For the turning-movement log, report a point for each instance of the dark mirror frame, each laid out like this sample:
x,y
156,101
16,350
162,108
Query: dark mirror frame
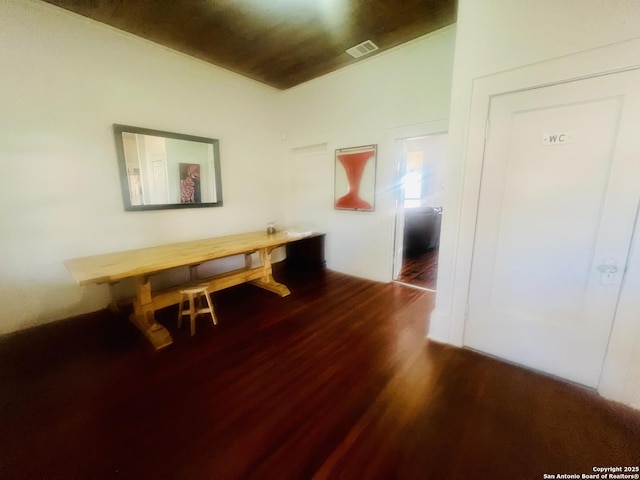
x,y
118,130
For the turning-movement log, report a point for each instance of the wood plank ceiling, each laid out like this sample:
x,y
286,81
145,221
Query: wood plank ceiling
x,y
281,43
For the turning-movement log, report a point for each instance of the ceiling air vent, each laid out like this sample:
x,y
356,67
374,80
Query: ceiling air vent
x,y
363,48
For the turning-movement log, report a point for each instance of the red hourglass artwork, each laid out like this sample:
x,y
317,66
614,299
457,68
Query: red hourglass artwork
x,y
354,161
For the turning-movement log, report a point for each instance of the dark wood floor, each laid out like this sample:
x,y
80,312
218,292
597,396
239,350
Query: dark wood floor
x,y
420,270
334,381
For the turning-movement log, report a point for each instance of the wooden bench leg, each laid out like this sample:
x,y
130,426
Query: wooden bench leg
x,y
143,317
113,305
267,282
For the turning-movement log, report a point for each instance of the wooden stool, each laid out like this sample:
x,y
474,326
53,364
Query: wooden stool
x,y
193,295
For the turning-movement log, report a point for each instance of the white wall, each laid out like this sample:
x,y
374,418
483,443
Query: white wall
x,y
522,44
391,95
64,80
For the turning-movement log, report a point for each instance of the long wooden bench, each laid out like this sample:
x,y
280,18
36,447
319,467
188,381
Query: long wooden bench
x,y
141,264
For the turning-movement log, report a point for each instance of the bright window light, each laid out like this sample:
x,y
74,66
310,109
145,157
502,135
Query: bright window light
x,y
413,179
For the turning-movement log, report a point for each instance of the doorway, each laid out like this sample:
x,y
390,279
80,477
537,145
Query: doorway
x,y
419,209
556,210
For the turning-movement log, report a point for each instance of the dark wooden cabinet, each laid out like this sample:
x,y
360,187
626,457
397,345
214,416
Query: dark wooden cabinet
x,y
306,253
421,230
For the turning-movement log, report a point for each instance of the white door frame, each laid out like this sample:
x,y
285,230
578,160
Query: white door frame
x,y
452,298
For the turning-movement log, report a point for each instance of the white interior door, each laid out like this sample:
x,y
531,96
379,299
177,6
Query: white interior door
x,y
311,183
401,166
556,210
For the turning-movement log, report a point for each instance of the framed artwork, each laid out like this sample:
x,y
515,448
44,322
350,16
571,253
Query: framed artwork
x,y
355,178
190,183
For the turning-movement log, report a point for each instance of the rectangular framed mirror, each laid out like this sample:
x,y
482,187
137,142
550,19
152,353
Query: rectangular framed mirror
x,y
160,170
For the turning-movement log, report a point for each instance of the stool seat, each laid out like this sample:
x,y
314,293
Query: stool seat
x,y
193,294
193,290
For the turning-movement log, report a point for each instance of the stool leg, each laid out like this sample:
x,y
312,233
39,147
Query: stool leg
x,y
213,315
180,306
192,314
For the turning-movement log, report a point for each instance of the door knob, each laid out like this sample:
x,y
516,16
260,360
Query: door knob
x,y
608,268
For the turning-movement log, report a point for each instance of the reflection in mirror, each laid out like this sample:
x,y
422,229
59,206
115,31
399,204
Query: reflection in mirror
x,y
167,170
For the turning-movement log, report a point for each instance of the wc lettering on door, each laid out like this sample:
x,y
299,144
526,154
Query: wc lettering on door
x,y
557,138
